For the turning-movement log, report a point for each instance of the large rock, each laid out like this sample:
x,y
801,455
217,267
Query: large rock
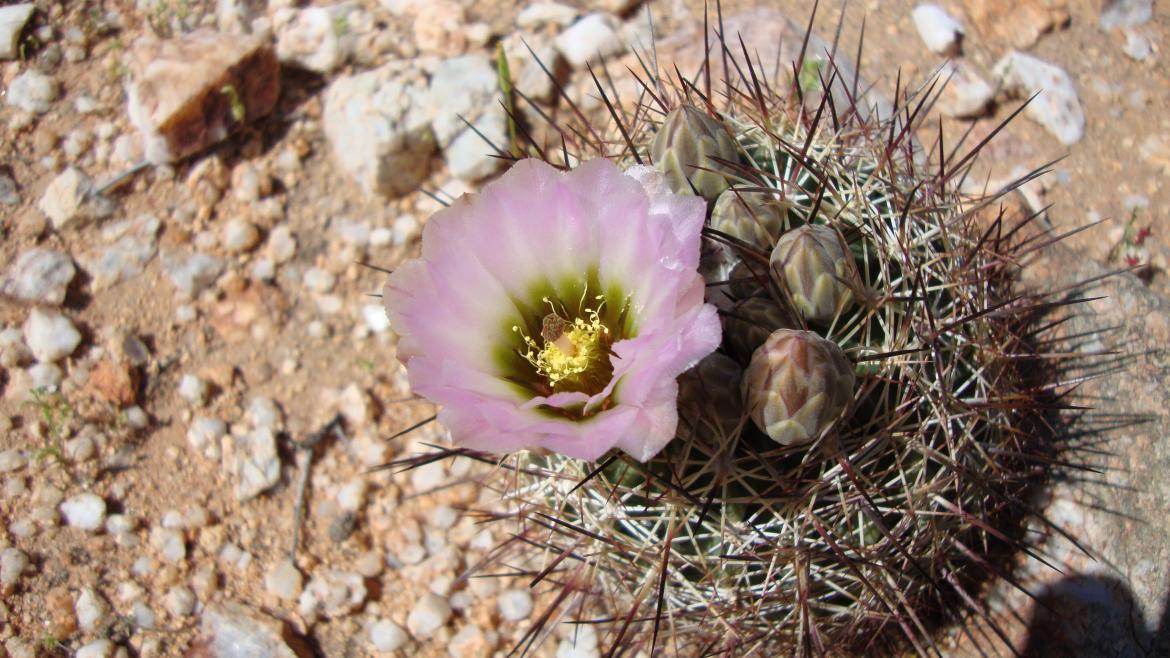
x,y
1056,106
12,20
231,630
1021,23
192,92
39,275
379,128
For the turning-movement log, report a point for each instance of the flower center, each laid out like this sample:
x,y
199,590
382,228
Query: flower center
x,y
571,355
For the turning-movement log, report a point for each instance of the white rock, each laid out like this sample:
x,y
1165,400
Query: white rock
x,y
39,275
13,563
124,259
378,126
13,352
141,615
11,460
194,390
406,229
235,631
33,91
282,246
257,464
120,524
430,613
592,37
86,511
204,435
967,95
376,318
470,157
311,39
79,449
465,87
546,13
239,235
1125,13
319,280
468,641
352,495
96,649
1056,106
515,604
191,272
91,609
169,543
64,197
284,580
45,376
12,20
50,335
1137,46
9,195
333,593
938,29
179,601
387,636
264,412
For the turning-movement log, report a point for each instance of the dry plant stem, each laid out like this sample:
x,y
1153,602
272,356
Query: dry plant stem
x,y
304,450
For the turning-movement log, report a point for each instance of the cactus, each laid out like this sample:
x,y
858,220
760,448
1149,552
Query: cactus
x,y
877,467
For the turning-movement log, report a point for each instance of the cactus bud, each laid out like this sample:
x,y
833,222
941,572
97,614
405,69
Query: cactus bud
x,y
754,217
749,323
708,395
814,265
797,385
685,147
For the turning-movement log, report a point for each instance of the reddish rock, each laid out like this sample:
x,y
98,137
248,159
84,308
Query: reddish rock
x,y
191,92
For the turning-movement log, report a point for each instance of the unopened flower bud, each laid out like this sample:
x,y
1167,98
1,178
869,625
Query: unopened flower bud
x,y
749,323
814,265
797,385
690,146
754,217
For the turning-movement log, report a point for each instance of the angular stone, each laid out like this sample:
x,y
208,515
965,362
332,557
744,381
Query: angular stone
x,y
379,128
590,39
39,275
1056,106
1019,22
257,464
33,91
967,94
231,630
191,92
12,20
1125,13
63,198
938,29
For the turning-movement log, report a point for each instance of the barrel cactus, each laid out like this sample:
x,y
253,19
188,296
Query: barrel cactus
x,y
851,461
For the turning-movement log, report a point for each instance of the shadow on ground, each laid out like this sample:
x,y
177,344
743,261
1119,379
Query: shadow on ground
x,y
1093,616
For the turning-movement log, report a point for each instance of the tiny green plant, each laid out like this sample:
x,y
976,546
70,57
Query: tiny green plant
x,y
239,111
54,410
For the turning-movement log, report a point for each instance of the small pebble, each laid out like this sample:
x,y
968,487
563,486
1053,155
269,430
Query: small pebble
x,y
13,563
96,649
240,235
50,336
430,613
284,580
194,390
515,604
91,610
169,543
85,511
387,636
180,601
11,460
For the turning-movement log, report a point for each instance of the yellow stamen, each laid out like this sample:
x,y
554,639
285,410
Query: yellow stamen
x,y
574,352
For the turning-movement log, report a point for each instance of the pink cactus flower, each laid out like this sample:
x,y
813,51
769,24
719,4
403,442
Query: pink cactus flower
x,y
556,309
